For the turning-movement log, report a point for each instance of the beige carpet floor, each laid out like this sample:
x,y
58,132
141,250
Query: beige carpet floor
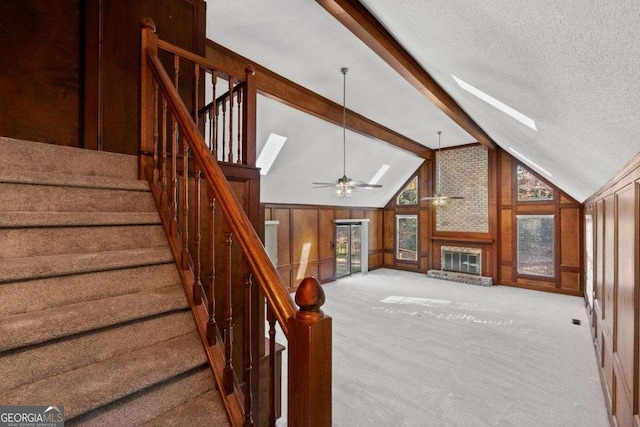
x,y
414,351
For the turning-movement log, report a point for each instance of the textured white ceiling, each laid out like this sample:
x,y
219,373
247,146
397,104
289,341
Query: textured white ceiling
x,y
313,153
572,66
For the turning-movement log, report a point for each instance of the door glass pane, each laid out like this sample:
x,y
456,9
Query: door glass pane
x,y
356,250
342,251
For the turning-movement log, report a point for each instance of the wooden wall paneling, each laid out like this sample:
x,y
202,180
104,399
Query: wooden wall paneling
x,y
389,237
326,251
599,257
375,238
284,244
609,264
423,240
181,22
506,180
623,409
305,244
342,214
570,228
625,297
40,80
356,213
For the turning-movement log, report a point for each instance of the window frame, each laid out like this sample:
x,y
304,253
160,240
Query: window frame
x,y
535,276
399,217
404,188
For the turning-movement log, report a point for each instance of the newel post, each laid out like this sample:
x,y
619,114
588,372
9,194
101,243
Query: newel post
x,y
309,402
250,97
148,42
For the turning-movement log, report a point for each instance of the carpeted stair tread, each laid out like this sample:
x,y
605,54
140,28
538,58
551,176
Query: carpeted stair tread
x,y
92,386
39,241
204,410
21,176
58,265
21,197
24,366
62,219
35,327
40,294
144,406
37,156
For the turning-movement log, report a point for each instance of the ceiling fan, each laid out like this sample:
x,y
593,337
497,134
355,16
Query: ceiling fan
x,y
345,186
440,199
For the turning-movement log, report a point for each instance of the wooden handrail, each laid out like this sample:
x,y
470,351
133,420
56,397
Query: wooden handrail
x,y
261,266
307,328
218,100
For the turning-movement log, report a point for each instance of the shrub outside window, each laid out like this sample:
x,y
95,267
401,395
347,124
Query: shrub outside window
x,y
407,237
535,253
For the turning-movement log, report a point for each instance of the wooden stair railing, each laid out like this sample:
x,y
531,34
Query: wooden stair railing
x,y
175,159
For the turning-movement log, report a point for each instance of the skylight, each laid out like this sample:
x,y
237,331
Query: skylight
x,y
269,152
528,161
383,169
527,121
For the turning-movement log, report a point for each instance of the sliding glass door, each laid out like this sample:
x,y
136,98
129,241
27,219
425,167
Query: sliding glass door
x,y
348,249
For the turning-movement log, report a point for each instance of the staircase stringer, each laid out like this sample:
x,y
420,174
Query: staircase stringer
x,y
215,353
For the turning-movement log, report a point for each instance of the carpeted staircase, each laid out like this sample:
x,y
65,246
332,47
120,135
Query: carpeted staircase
x,y
92,312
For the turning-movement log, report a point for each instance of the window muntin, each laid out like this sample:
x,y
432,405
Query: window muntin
x,y
409,194
407,237
535,245
530,188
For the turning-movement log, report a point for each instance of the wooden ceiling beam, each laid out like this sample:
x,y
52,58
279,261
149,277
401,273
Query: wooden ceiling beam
x,y
296,96
353,15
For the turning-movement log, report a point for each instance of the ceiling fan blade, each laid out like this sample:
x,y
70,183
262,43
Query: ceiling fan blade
x,y
324,186
368,185
324,183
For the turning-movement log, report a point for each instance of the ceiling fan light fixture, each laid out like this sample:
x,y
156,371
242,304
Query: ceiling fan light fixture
x,y
346,187
440,199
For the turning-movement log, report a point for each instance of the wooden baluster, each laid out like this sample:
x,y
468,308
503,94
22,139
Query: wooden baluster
x,y
163,197
174,176
176,72
228,327
156,124
214,116
197,283
224,128
230,155
211,301
184,200
271,318
196,100
174,152
248,416
309,402
239,120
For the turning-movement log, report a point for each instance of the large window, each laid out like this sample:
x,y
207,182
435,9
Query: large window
x,y
407,237
409,195
530,188
535,245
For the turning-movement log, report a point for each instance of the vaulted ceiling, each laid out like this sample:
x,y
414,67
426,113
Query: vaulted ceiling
x,y
571,66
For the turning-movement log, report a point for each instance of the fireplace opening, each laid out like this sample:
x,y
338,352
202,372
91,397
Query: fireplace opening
x,y
462,262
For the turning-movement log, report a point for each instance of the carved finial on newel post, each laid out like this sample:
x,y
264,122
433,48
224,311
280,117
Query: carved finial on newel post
x,y
310,297
148,23
309,359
